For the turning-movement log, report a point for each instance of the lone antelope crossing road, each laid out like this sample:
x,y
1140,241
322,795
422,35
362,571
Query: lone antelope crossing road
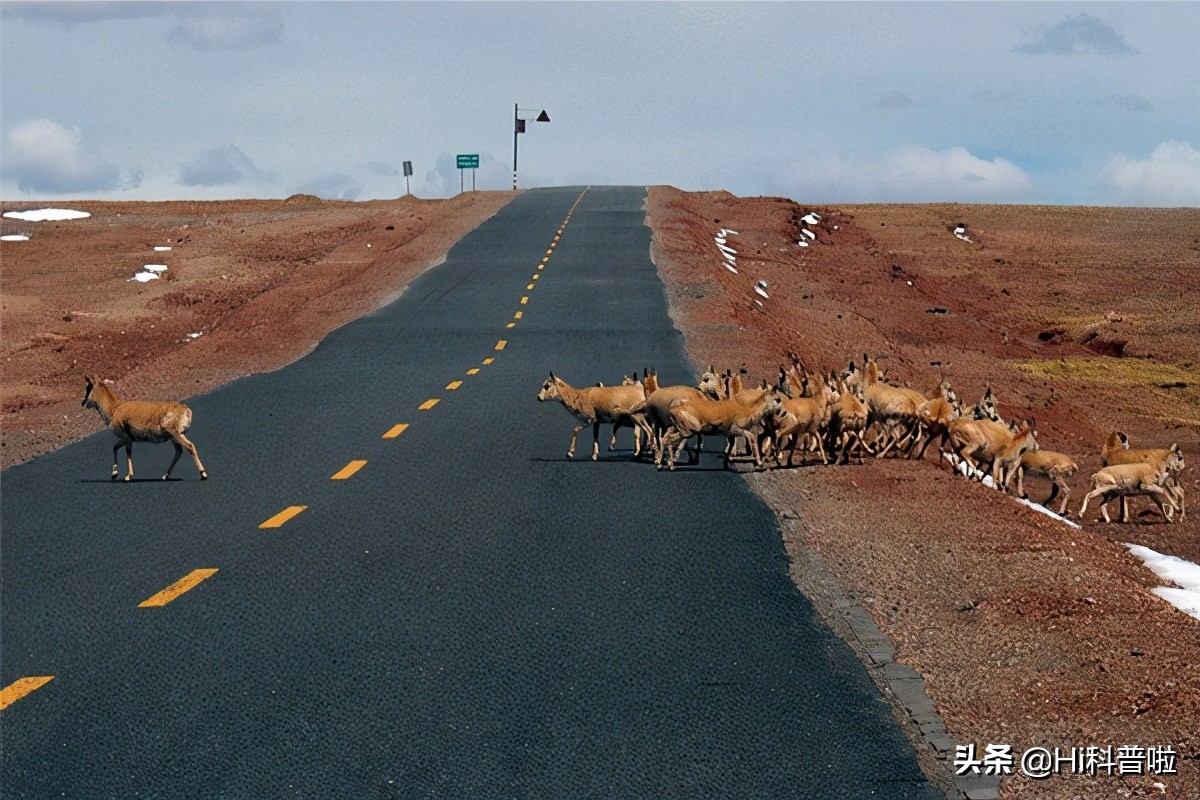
x,y
394,584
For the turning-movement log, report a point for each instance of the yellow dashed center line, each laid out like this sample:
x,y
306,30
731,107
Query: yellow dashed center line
x,y
525,300
536,276
529,288
550,252
430,403
396,430
518,315
499,346
473,371
452,385
511,325
282,517
348,470
184,584
21,687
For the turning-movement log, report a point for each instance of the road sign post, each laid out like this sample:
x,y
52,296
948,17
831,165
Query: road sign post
x,y
408,171
467,161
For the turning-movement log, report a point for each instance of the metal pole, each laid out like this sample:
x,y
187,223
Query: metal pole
x,y
514,147
460,181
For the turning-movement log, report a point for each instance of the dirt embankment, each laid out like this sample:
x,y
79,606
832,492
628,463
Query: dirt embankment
x,y
251,285
1027,632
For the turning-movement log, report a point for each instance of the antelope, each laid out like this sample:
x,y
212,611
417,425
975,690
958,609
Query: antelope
x,y
889,404
593,405
983,440
699,415
800,418
141,421
935,415
1116,451
1126,480
1055,466
848,422
628,422
655,410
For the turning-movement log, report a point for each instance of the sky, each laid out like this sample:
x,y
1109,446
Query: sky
x,y
823,102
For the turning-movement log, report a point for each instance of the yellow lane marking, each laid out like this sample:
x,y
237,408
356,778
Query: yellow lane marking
x,y
499,346
536,276
396,430
430,403
452,385
282,517
550,251
473,371
541,266
525,300
529,288
511,325
349,469
518,315
21,687
184,584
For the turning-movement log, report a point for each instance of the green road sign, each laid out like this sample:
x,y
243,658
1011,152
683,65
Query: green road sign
x,y
468,161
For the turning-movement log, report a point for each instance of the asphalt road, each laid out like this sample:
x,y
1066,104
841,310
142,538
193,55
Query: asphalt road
x,y
469,614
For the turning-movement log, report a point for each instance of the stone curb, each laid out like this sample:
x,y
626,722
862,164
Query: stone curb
x,y
908,689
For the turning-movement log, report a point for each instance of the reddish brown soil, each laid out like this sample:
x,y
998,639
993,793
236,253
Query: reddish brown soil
x,y
1026,631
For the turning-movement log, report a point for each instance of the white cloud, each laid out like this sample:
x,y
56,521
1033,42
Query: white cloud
x,y
953,174
227,33
220,165
43,156
908,174
1169,177
1076,36
338,186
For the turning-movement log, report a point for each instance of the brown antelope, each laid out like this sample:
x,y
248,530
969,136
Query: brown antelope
x,y
699,416
890,406
141,421
1127,480
978,441
848,422
629,422
1054,466
1116,451
593,405
803,419
655,410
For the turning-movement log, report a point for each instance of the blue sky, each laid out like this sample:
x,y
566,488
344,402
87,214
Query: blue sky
x,y
823,102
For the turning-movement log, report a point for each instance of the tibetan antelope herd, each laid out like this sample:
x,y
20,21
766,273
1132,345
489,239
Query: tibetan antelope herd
x,y
839,417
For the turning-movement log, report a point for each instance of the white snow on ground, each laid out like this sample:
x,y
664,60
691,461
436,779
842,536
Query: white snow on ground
x,y
1184,574
46,215
144,277
14,237
1185,595
161,249
155,268
812,218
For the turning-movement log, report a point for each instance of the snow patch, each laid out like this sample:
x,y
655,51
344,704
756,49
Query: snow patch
x,y
47,215
1184,574
161,249
144,277
14,237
